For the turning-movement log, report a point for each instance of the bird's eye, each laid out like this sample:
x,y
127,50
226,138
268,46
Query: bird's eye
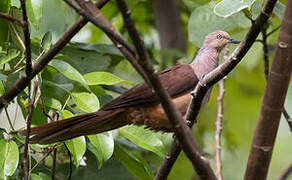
x,y
219,36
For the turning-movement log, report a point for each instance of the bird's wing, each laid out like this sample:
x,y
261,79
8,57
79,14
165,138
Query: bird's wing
x,y
177,80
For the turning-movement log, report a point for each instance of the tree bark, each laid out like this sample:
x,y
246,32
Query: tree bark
x,y
169,25
272,105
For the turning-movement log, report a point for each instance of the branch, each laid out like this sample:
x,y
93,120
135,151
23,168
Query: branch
x,y
26,33
28,123
286,173
23,82
217,74
28,73
266,61
272,104
11,19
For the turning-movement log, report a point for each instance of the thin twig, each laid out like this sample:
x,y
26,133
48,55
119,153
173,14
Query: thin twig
x,y
9,119
273,31
11,19
28,122
70,163
54,164
23,82
182,132
26,33
217,74
28,73
17,36
46,155
219,122
286,173
41,100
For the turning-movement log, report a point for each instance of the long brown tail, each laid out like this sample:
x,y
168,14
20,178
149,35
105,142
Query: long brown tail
x,y
86,124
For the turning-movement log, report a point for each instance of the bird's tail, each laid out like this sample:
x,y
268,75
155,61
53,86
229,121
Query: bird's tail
x,y
86,124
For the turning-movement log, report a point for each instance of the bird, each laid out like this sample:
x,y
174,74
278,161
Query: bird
x,y
139,105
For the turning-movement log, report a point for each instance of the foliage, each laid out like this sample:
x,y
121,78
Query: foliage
x,y
89,72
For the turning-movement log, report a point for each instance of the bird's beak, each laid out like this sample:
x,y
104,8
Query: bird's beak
x,y
233,41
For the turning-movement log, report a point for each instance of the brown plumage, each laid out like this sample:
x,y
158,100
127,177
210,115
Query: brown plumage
x,y
139,105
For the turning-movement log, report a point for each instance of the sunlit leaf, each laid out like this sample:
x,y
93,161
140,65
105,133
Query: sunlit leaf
x,y
88,102
144,138
226,8
103,146
35,177
52,103
105,78
9,157
77,147
68,71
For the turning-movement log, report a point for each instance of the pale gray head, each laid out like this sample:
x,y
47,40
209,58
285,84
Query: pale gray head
x,y
218,40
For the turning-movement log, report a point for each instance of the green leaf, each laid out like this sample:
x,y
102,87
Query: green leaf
x,y
38,117
47,41
104,146
87,102
34,11
66,114
85,61
203,21
144,138
9,157
279,10
226,8
105,78
4,8
2,90
52,103
66,87
134,163
35,177
5,58
77,147
68,71
101,48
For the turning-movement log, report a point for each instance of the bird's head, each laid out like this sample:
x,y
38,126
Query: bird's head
x,y
218,40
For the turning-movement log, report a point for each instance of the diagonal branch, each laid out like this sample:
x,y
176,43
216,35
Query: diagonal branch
x,y
217,74
181,129
23,82
12,19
